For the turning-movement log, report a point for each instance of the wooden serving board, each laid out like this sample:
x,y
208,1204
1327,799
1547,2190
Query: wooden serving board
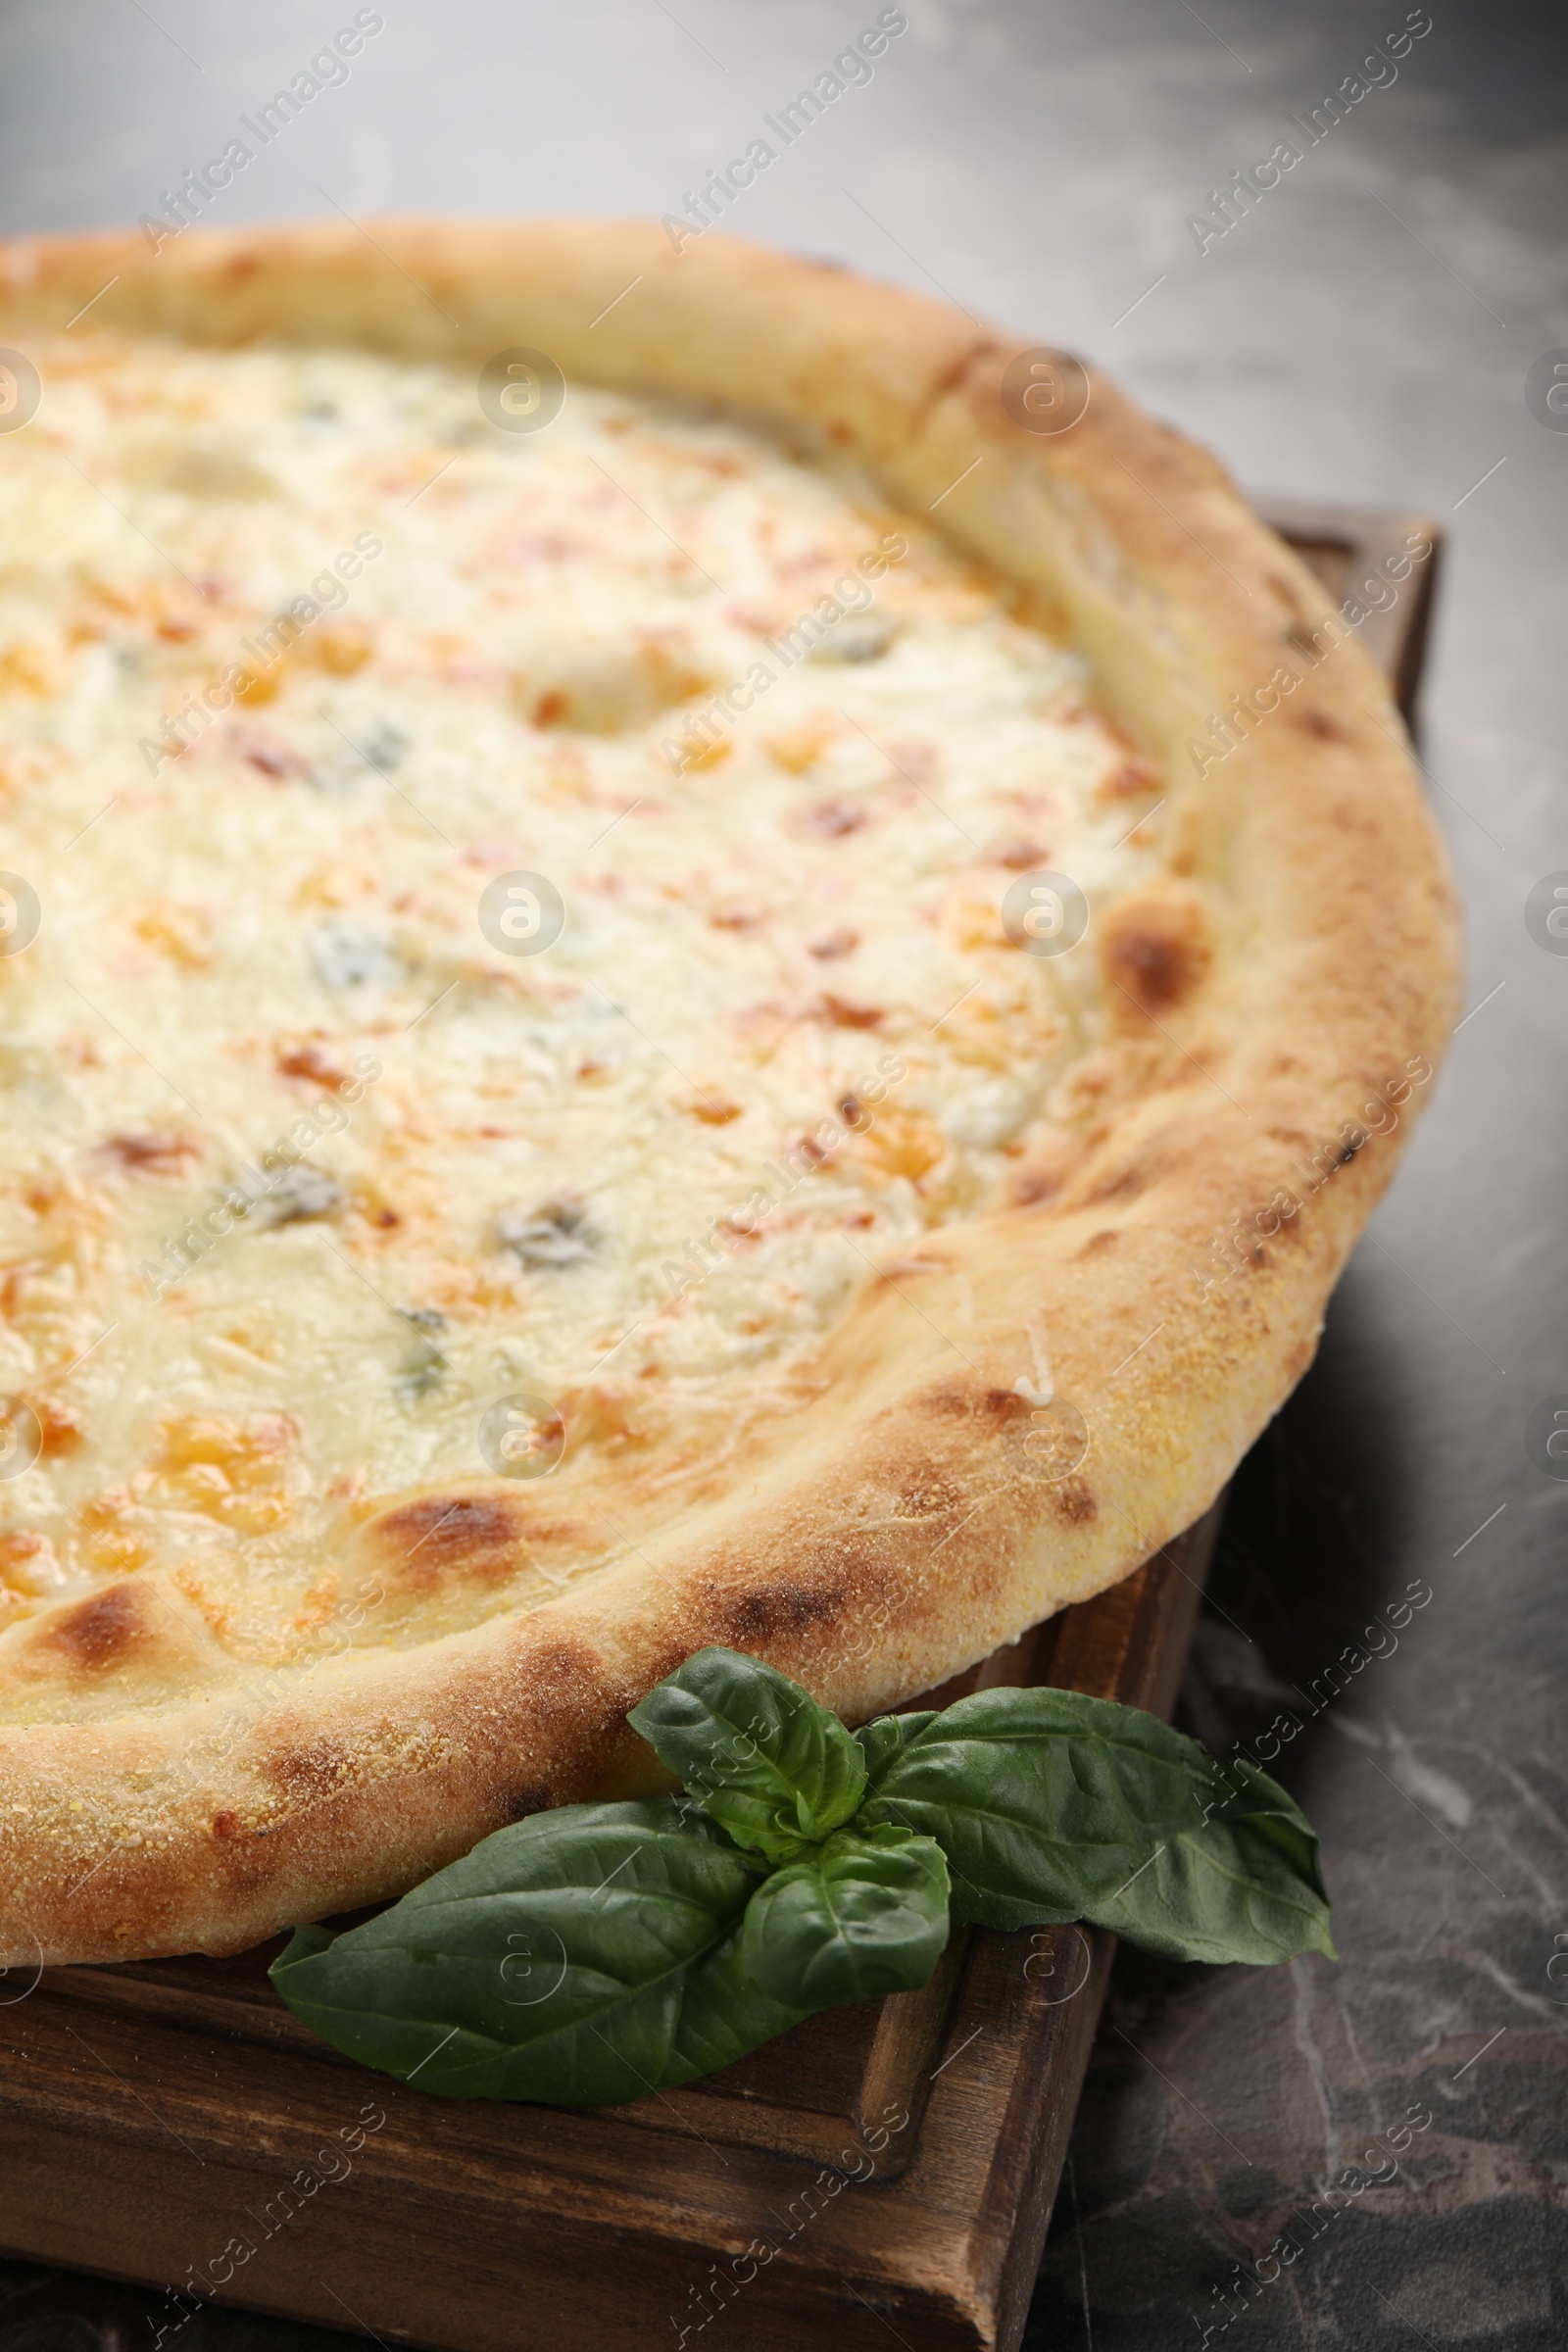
x,y
886,2171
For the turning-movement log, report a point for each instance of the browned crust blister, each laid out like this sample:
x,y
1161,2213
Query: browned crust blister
x,y
1275,1001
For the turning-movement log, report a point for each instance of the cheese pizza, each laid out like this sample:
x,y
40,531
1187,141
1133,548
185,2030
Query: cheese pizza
x,y
687,954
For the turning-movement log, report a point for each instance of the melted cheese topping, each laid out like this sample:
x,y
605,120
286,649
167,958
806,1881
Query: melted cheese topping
x,y
300,657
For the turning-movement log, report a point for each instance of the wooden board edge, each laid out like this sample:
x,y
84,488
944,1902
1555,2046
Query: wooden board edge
x,y
1372,539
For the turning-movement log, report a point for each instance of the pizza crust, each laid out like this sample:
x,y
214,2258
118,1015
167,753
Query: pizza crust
x,y
1282,996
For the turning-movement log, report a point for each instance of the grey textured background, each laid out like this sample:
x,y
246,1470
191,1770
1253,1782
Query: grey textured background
x,y
1364,333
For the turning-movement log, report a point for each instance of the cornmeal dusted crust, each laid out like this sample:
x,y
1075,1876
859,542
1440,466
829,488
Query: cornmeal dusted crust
x,y
1276,991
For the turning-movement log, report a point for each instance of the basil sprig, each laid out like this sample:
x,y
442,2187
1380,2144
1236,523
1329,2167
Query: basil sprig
x,y
595,1953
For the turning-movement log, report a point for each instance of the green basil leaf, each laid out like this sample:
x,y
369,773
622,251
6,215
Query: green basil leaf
x,y
1044,1801
1224,1891
724,2011
1273,1816
1053,1807
859,1914
758,1751
581,1957
1244,1883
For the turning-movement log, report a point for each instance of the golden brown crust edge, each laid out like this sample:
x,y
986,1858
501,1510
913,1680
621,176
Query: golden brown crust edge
x,y
1278,998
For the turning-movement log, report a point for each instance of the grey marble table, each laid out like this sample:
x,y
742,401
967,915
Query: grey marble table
x,y
1365,330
